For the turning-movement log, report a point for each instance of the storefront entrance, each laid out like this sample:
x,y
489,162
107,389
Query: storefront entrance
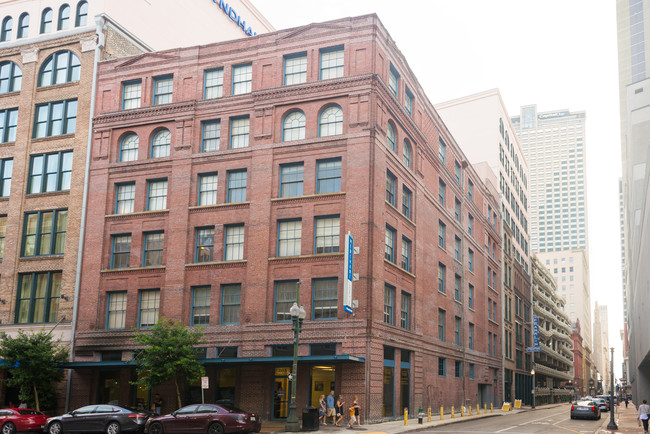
x,y
281,393
323,379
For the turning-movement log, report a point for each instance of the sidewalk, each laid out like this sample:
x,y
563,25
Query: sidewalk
x,y
625,418
397,426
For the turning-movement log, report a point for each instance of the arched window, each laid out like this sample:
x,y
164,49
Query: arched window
x,y
293,127
129,147
331,121
82,14
64,17
46,20
391,137
60,67
10,77
7,24
23,26
160,144
406,153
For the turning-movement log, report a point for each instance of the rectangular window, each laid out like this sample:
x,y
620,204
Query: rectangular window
x,y
289,237
331,62
489,308
470,259
490,343
405,311
441,277
131,94
242,77
55,118
457,330
457,171
234,250
406,202
230,303
457,284
285,296
157,195
204,245
120,251
38,297
328,176
442,150
213,83
44,232
327,234
125,198
457,209
291,179
406,254
116,310
471,336
442,366
50,172
389,244
6,169
153,249
457,248
408,101
442,229
162,89
458,368
208,189
149,307
470,301
236,186
3,234
472,371
389,302
391,181
239,130
441,324
201,305
470,224
210,135
393,80
8,125
442,188
295,68
325,298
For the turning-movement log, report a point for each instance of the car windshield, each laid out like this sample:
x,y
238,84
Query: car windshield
x,y
586,403
231,408
29,412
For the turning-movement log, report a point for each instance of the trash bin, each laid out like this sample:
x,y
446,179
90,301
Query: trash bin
x,y
310,420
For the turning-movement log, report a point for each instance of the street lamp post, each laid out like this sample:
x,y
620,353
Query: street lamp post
x,y
611,425
532,372
297,317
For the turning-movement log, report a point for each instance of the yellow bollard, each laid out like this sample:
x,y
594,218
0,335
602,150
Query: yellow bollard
x,y
470,410
491,408
452,411
478,409
462,411
484,408
406,417
429,414
441,411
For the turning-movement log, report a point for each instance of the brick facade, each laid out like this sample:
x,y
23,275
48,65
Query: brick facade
x,y
372,341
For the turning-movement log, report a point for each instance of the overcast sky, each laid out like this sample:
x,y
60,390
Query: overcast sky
x,y
558,54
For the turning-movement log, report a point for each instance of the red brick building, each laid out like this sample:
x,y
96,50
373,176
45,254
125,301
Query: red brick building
x,y
224,175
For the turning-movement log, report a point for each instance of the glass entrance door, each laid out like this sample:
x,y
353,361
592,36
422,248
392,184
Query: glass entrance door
x,y
281,393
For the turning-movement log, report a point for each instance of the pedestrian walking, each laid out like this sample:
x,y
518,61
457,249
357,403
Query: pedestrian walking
x,y
626,401
322,410
354,413
644,411
331,411
340,404
157,403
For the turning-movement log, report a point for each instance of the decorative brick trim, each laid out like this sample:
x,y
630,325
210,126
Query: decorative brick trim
x,y
143,214
207,208
217,264
134,270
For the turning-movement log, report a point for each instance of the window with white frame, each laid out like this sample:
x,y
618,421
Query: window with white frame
x,y
129,147
116,310
160,144
210,135
295,68
204,245
327,234
393,80
291,179
239,130
131,94
208,189
293,127
201,305
157,195
331,63
242,77
325,298
289,237
230,303
153,249
149,307
125,198
331,121
391,137
162,89
234,248
236,191
213,83
328,175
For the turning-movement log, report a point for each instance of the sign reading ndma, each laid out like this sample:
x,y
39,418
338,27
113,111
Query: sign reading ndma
x,y
232,14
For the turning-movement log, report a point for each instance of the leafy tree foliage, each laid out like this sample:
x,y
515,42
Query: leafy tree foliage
x,y
32,360
169,353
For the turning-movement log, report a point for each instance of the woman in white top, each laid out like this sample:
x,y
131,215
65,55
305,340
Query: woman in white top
x,y
644,411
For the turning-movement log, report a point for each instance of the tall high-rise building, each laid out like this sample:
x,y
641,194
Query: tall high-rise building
x,y
601,344
634,89
554,145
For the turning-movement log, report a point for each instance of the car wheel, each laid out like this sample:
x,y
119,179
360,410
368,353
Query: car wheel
x,y
113,428
9,428
55,428
215,428
572,417
156,428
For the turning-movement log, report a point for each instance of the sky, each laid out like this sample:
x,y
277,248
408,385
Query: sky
x,y
558,54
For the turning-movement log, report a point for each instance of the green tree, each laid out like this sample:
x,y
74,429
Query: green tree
x,y
32,360
169,353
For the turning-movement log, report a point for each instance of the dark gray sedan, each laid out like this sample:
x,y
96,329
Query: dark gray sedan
x,y
585,410
103,418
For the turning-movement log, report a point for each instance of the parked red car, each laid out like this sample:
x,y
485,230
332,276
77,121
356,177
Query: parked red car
x,y
13,420
205,418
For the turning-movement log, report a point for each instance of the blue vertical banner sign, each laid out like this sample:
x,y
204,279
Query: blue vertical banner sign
x,y
347,273
535,331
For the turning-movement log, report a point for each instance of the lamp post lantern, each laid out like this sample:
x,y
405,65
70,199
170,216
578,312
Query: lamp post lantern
x,y
297,317
611,425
